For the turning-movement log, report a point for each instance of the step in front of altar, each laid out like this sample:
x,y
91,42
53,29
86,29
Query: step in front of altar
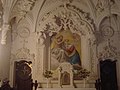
x,y
66,89
77,85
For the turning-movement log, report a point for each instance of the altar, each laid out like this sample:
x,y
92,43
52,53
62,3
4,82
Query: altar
x,y
66,89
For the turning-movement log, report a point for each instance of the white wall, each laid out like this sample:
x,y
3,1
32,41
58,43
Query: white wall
x,y
38,12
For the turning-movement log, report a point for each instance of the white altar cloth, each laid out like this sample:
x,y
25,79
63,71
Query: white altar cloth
x,y
66,89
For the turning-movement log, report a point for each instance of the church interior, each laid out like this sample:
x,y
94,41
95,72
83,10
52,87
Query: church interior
x,y
60,44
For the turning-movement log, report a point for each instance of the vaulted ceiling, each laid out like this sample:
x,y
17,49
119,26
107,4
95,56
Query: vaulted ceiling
x,y
18,10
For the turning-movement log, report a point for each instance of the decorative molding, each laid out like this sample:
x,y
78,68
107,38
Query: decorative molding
x,y
23,53
93,53
109,51
91,56
66,1
23,32
49,2
14,33
83,16
66,17
41,38
5,28
103,4
21,8
107,31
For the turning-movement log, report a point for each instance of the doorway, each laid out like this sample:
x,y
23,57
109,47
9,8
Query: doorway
x,y
23,76
108,75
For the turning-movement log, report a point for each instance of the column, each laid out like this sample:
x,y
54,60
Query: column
x,y
5,29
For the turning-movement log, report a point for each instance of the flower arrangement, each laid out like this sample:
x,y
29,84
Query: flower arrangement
x,y
82,73
47,74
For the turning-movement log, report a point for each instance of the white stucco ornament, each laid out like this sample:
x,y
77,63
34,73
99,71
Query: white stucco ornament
x,y
5,29
24,32
41,37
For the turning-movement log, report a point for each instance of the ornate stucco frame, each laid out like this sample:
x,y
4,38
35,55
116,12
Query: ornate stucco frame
x,y
85,30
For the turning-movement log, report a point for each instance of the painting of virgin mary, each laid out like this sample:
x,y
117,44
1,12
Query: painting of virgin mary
x,y
65,47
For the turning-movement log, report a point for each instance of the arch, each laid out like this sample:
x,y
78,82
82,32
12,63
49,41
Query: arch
x,y
81,15
52,23
39,12
105,14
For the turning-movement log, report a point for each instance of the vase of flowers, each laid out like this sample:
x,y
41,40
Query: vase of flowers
x,y
48,75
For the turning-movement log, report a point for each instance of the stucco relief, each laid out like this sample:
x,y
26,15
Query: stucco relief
x,y
50,2
62,19
21,8
66,16
109,51
23,32
108,32
5,28
92,46
41,55
23,53
103,4
41,38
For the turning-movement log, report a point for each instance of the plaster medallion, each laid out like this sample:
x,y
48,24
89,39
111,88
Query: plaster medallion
x,y
107,31
24,33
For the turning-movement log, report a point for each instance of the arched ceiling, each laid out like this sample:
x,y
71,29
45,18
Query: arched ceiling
x,y
19,8
31,9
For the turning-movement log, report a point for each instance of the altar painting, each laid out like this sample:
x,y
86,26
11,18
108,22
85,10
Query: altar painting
x,y
65,47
